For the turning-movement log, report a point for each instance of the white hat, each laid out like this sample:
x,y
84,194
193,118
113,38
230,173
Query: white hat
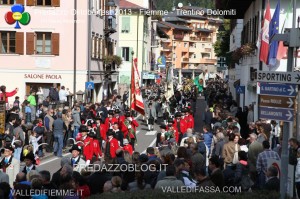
x,y
125,141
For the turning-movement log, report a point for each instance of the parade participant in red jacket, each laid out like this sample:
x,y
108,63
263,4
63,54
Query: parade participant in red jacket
x,y
96,147
87,144
129,128
127,146
90,123
180,126
110,120
189,118
5,95
120,118
112,145
100,130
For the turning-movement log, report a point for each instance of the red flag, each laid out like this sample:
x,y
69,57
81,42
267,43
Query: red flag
x,y
136,96
264,47
282,51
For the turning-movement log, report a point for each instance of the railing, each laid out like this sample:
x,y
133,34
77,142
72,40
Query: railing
x,y
178,36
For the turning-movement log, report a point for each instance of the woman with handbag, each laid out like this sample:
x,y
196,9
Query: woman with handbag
x,y
230,151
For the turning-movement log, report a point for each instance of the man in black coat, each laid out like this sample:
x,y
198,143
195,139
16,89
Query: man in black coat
x,y
273,183
97,180
56,176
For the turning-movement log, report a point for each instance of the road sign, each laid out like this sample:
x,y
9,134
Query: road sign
x,y
89,85
264,88
279,77
276,101
240,89
280,114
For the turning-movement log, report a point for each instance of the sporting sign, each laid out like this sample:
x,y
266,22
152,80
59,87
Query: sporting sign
x,y
264,88
276,114
279,77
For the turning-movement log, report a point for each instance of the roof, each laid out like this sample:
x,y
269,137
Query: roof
x,y
160,25
167,18
204,30
127,5
179,27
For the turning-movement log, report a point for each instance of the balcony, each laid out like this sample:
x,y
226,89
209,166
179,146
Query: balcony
x,y
110,25
194,39
207,50
206,39
178,36
208,61
185,59
166,40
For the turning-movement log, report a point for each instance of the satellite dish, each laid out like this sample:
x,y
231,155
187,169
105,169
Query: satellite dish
x,y
180,5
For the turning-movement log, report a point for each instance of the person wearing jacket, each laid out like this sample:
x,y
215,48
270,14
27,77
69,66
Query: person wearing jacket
x,y
208,138
297,173
180,126
229,150
76,121
242,172
58,132
275,134
151,115
112,145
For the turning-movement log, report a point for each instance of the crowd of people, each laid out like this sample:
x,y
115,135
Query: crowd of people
x,y
229,150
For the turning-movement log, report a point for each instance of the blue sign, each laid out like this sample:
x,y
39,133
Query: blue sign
x,y
264,88
89,85
240,89
276,114
161,61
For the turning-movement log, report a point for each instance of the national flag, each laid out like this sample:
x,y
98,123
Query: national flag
x,y
264,46
282,50
274,29
136,96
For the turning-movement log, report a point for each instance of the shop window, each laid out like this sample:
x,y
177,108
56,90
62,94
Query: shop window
x,y
7,42
7,2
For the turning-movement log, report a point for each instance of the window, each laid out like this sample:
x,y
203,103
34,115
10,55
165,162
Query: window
x,y
43,2
194,56
125,25
43,43
100,48
203,45
185,45
7,42
125,53
7,2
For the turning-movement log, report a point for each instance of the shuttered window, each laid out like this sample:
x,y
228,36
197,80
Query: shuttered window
x,y
20,2
53,3
42,43
125,25
7,2
7,42
20,43
100,48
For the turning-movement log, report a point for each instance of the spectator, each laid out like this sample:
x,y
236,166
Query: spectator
x,y
47,185
76,120
58,132
208,138
230,149
116,182
197,159
216,175
22,191
63,93
220,143
5,188
48,122
203,180
242,177
107,187
273,183
275,134
17,102
37,186
32,103
97,180
81,185
56,176
3,177
184,173
294,146
21,179
262,161
169,181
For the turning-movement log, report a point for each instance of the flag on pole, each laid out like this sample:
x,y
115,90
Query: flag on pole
x,y
264,46
136,96
169,83
274,29
282,50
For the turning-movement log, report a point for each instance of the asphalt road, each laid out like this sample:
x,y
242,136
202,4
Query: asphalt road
x,y
145,138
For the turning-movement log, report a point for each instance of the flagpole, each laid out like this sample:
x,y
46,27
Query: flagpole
x,y
132,71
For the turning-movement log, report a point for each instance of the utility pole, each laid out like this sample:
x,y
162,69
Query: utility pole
x,y
292,38
89,46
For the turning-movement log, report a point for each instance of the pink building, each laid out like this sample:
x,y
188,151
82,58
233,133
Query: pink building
x,y
52,49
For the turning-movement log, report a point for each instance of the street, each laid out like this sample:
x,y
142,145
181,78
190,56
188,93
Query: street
x,y
145,138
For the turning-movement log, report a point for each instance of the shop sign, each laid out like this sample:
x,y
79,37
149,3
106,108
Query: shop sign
x,y
41,76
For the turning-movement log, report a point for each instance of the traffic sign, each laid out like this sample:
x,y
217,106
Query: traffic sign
x,y
280,114
279,77
276,101
264,88
240,89
89,85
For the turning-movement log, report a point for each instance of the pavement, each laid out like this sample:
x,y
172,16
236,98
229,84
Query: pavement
x,y
145,138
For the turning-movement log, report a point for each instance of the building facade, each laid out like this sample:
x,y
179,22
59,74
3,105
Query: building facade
x,y
52,48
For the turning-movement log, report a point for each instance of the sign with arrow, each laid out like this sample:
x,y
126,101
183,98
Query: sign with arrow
x,y
276,101
276,114
279,77
264,88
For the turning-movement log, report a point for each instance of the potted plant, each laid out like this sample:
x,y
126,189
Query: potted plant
x,y
112,59
248,49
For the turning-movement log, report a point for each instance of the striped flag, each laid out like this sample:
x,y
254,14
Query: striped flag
x,y
264,47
